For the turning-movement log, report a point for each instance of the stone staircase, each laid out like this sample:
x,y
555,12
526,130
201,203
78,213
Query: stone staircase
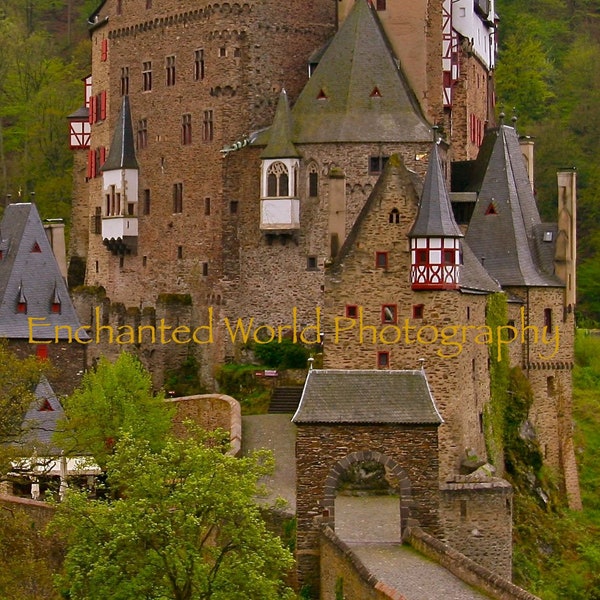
x,y
285,400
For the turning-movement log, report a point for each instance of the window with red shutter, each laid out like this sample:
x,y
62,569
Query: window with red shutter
x,y
104,50
103,105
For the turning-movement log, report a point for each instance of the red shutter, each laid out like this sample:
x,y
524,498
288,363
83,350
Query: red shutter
x,y
90,164
104,50
102,155
103,105
92,109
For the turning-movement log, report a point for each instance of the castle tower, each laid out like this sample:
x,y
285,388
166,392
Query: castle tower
x,y
279,203
435,237
120,187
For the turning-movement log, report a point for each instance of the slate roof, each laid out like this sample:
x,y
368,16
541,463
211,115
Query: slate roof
x,y
122,149
472,276
280,137
40,421
358,92
367,396
504,241
435,216
30,272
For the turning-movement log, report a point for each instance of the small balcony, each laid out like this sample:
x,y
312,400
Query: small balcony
x,y
279,214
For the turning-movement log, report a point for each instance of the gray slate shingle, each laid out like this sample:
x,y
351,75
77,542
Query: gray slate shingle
x,y
367,396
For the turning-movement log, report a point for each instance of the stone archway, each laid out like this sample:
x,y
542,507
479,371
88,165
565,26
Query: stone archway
x,y
401,485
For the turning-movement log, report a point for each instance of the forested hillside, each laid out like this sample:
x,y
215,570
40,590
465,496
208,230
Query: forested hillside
x,y
549,73
43,56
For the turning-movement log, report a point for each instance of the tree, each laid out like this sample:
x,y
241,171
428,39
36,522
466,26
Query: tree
x,y
111,399
18,378
185,527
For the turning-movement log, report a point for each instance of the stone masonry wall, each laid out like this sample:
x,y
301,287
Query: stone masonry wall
x,y
477,521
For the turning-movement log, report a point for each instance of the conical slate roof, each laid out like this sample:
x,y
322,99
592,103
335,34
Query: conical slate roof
x,y
122,150
280,138
29,273
506,220
435,217
358,92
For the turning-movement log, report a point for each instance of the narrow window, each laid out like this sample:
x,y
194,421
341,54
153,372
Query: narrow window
x,y
377,164
186,129
124,81
417,311
550,386
389,313
170,70
146,76
233,207
144,261
148,4
548,319
142,134
205,269
313,181
207,126
179,251
237,52
383,360
277,180
351,311
199,65
380,5
394,216
448,257
119,7
311,263
178,197
381,260
146,206
97,223
222,52
207,207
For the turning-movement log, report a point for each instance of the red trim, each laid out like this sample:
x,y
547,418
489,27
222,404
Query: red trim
x,y
384,317
104,50
103,105
351,311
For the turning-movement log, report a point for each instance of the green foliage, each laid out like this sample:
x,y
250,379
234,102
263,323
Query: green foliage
x,y
556,552
186,526
112,399
240,382
29,558
493,417
282,355
18,378
184,380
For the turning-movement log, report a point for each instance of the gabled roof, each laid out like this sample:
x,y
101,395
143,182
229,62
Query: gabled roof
x,y
367,396
40,421
503,227
435,216
29,271
358,92
122,149
280,138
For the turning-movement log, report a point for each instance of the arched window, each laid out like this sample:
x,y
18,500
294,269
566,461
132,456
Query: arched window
x,y
278,181
313,181
394,216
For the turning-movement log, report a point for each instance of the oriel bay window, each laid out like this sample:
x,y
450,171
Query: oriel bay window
x,y
278,181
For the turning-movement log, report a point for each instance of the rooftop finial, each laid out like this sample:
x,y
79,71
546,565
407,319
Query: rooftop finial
x,y
435,129
502,115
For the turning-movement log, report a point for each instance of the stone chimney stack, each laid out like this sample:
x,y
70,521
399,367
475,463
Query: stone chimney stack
x,y
55,232
565,258
527,145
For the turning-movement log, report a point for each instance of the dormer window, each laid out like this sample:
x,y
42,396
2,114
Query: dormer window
x,y
45,406
22,307
36,247
278,181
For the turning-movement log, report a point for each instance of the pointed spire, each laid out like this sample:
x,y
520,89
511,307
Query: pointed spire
x,y
435,217
122,149
280,136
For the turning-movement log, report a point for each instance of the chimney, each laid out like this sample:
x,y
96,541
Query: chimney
x,y
526,142
55,232
565,257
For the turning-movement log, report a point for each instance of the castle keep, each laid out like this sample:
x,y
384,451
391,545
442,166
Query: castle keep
x,y
333,168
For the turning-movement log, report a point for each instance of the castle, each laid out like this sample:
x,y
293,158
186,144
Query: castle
x,y
329,170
